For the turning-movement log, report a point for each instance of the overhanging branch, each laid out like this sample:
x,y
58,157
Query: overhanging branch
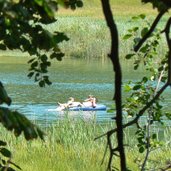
x,y
168,83
141,112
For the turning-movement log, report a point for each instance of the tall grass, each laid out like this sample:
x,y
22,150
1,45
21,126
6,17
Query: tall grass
x,y
87,30
69,145
90,37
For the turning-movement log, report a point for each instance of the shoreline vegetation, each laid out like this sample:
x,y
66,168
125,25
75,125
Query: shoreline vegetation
x,y
69,145
87,30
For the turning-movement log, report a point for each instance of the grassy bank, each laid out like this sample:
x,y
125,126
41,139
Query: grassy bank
x,y
87,30
70,145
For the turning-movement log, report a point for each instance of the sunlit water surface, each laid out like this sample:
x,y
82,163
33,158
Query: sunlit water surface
x,y
71,77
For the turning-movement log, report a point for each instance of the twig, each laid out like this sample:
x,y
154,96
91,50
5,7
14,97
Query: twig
x,y
111,153
149,121
160,77
104,153
167,31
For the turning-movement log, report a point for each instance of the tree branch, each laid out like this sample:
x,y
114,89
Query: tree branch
x,y
150,112
137,47
141,112
167,31
111,153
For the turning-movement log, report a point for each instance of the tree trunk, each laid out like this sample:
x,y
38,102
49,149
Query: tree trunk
x,y
114,56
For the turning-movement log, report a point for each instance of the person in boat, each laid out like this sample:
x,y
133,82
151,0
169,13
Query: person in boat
x,y
89,102
70,103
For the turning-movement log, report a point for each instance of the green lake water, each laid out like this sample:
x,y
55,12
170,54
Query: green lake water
x,y
70,77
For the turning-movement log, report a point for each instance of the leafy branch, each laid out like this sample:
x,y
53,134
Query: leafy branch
x,y
18,124
147,51
23,27
147,35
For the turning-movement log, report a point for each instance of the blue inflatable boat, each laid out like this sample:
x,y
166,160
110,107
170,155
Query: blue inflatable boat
x,y
98,107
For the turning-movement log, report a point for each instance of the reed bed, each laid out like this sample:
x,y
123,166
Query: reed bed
x,y
89,34
87,30
90,37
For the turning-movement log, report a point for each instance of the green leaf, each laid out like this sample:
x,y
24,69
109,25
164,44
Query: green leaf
x,y
44,58
127,36
168,115
5,152
135,29
142,16
18,167
34,64
31,60
46,79
141,149
42,83
161,68
127,88
14,121
30,74
39,2
48,10
140,140
73,6
129,56
145,79
2,47
59,37
9,169
43,67
58,56
154,136
136,67
79,4
144,31
135,18
48,63
160,5
3,143
137,87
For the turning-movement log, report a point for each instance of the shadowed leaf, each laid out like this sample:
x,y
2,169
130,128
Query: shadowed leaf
x,y
17,122
3,143
5,152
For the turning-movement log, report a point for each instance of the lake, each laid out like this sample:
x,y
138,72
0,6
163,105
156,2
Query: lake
x,y
71,78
